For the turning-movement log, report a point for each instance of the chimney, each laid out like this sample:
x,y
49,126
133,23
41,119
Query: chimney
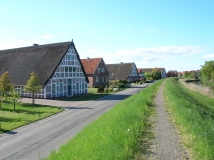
x,y
88,58
35,44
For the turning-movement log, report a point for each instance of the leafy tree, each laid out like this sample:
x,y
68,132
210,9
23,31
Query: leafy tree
x,y
147,75
186,74
207,73
33,86
156,74
5,83
14,98
5,86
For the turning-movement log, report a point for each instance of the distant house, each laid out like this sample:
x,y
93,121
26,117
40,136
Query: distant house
x,y
58,66
96,71
172,73
123,71
141,74
149,70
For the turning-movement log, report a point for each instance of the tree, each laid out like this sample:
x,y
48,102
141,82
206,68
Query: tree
x,y
5,83
156,74
207,73
5,86
186,74
14,98
147,75
33,85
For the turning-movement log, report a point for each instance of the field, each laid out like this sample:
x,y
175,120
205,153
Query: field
x,y
118,134
193,114
24,114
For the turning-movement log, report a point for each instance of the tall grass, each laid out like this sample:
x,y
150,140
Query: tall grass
x,y
194,115
115,135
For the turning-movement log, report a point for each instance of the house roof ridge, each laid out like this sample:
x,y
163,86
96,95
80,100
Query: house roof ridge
x,y
37,46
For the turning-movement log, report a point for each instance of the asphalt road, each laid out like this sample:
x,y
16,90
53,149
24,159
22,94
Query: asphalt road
x,y
37,140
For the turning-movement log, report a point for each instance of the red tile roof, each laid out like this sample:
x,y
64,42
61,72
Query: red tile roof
x,y
90,64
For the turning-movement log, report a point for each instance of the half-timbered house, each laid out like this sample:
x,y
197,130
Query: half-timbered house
x,y
57,65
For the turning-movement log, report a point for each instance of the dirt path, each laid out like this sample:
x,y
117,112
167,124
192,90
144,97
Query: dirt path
x,y
167,144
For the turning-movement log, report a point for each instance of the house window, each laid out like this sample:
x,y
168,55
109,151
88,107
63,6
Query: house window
x,y
103,69
106,79
66,69
98,70
70,69
69,81
74,69
69,57
97,78
53,88
61,87
102,79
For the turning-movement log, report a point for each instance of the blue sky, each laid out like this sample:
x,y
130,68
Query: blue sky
x,y
175,34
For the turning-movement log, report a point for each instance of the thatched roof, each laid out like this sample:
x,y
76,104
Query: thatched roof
x,y
41,59
120,70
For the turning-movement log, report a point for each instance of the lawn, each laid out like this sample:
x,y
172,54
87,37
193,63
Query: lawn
x,y
118,134
24,114
193,113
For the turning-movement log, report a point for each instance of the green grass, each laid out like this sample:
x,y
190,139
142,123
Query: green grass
x,y
118,134
193,113
24,114
91,95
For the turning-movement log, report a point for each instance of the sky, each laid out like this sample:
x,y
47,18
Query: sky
x,y
174,34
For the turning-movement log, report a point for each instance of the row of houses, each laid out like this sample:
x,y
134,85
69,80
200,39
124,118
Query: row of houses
x,y
61,71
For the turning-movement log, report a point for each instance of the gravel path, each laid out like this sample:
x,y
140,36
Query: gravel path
x,y
166,145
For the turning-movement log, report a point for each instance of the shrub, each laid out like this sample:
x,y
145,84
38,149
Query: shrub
x,y
100,89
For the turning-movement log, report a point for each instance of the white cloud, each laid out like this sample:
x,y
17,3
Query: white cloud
x,y
152,56
208,56
152,30
49,36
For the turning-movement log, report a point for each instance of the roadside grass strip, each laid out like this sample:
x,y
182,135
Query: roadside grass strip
x,y
24,114
117,134
193,113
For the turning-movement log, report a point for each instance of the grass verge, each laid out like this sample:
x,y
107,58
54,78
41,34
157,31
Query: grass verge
x,y
117,134
24,114
193,113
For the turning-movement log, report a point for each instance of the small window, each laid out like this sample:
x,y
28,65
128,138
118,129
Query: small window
x,y
66,69
106,79
98,70
97,78
74,69
102,79
53,88
69,81
103,69
70,69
